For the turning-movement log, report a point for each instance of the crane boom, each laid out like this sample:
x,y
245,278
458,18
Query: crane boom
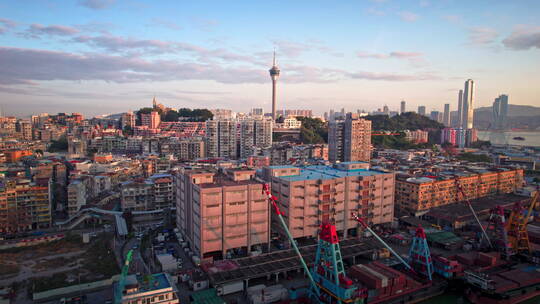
x,y
272,199
460,190
363,223
122,281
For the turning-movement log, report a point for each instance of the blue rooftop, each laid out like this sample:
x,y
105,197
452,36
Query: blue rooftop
x,y
327,172
282,167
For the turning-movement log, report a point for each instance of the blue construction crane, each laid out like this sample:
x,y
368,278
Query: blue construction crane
x,y
122,281
419,255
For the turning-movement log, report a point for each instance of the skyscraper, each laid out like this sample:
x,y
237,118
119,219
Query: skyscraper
x,y
446,115
468,104
422,110
500,112
402,109
460,109
274,74
349,139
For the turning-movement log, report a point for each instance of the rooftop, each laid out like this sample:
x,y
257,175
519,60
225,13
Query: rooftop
x,y
148,283
327,172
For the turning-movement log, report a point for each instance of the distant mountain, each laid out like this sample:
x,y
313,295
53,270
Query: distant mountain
x,y
519,117
515,110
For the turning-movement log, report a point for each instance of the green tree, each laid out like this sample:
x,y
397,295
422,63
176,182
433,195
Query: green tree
x,y
313,130
59,145
171,115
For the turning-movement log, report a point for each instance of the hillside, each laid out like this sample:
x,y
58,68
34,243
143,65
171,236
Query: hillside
x,y
519,117
405,121
514,110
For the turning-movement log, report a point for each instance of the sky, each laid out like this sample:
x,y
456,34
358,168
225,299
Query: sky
x,y
109,56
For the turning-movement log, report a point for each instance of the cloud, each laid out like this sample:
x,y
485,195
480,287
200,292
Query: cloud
x,y
408,16
203,24
133,46
6,24
391,77
36,30
482,35
97,4
41,65
523,38
397,54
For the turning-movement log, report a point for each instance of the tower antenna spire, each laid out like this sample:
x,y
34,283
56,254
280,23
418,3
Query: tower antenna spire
x,y
274,61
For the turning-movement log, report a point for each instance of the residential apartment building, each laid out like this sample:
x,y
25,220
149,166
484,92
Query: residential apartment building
x,y
312,195
254,134
349,139
151,120
184,149
416,195
163,191
417,136
24,206
76,191
222,212
137,195
128,120
220,139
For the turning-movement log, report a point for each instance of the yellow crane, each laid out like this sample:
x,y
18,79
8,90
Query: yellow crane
x,y
518,238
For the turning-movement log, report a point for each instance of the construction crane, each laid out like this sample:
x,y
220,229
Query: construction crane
x,y
122,281
464,196
273,201
497,224
419,254
518,237
329,283
356,217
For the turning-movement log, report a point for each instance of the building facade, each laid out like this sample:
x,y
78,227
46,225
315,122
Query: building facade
x,y
222,212
349,139
24,206
500,112
76,191
468,104
312,195
254,134
416,195
220,139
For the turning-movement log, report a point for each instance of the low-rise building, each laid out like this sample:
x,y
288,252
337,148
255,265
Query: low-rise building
x,y
76,196
416,195
137,195
156,288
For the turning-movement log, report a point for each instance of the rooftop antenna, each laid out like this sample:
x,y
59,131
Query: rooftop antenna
x,y
274,60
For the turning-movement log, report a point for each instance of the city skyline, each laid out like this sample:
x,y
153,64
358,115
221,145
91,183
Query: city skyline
x,y
78,56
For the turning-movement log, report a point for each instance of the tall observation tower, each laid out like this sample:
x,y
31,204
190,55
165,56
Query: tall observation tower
x,y
274,74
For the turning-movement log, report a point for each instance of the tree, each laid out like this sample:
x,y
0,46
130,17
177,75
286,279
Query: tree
x,y
59,145
313,130
404,121
171,115
128,130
